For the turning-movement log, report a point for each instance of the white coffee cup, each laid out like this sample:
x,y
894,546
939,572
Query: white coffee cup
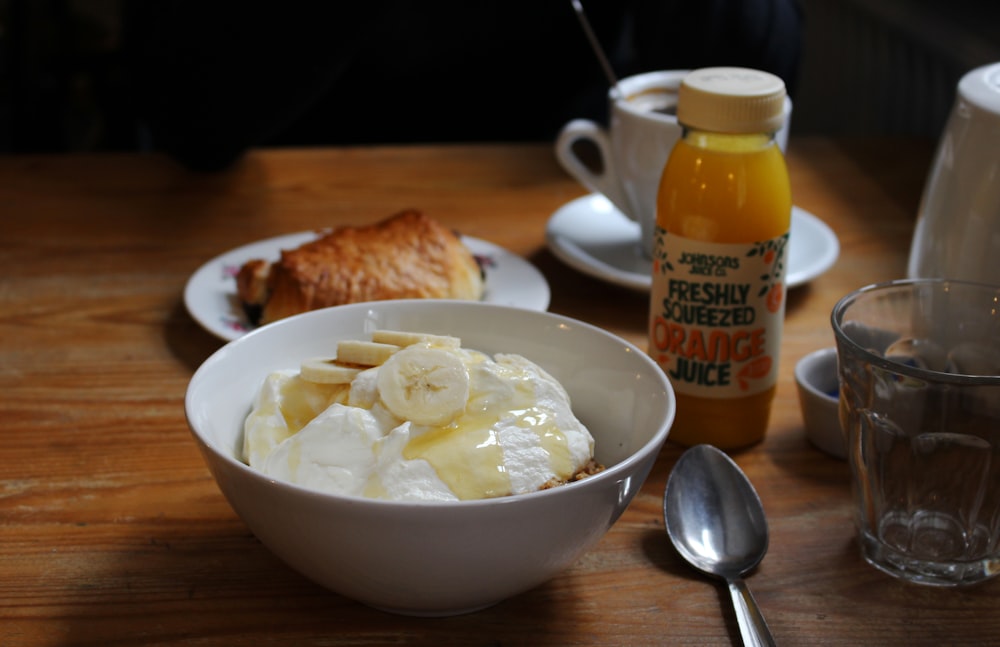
x,y
634,149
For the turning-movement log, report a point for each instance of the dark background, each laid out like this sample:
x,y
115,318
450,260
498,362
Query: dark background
x,y
868,67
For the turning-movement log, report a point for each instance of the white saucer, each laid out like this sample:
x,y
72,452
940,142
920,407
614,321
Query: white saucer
x,y
210,294
592,236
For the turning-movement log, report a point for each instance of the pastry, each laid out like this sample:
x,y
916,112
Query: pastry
x,y
409,255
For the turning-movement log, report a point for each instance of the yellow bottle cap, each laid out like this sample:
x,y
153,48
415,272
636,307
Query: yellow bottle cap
x,y
731,100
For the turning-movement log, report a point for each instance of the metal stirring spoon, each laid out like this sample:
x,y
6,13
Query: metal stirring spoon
x,y
716,522
596,46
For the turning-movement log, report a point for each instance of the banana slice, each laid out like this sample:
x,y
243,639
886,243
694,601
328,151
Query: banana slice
x,y
427,386
403,338
327,371
364,353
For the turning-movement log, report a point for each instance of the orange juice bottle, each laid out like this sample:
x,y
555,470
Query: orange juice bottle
x,y
717,301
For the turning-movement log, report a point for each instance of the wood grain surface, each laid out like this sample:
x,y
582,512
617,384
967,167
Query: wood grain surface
x,y
112,531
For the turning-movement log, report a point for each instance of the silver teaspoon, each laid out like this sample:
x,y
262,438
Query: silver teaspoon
x,y
596,46
716,522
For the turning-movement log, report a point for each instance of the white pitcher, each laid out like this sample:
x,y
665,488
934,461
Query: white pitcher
x,y
957,235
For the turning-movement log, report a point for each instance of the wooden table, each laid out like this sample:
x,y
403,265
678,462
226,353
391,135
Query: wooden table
x,y
112,532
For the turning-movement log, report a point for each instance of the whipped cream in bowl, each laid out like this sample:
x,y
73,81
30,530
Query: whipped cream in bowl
x,y
429,421
381,497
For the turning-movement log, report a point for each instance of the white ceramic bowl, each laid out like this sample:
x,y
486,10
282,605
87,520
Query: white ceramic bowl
x,y
438,558
816,378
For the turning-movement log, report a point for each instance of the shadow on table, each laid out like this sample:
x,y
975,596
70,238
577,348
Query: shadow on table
x,y
188,341
882,162
207,579
658,549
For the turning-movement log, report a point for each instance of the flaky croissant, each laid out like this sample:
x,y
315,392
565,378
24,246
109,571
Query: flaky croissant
x,y
408,255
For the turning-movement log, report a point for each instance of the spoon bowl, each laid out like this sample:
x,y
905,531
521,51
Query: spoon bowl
x,y
716,522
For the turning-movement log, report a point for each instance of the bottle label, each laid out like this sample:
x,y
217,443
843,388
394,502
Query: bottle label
x,y
716,314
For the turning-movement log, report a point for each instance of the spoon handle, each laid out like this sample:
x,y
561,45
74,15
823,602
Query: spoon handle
x,y
753,627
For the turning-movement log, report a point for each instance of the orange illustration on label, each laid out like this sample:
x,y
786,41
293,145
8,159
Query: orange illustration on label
x,y
758,368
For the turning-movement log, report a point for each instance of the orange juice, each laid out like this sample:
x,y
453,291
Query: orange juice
x,y
717,300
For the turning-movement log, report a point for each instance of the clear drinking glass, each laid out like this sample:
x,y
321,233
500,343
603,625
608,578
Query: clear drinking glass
x,y
919,368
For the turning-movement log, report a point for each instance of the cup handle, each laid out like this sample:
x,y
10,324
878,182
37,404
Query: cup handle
x,y
606,181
